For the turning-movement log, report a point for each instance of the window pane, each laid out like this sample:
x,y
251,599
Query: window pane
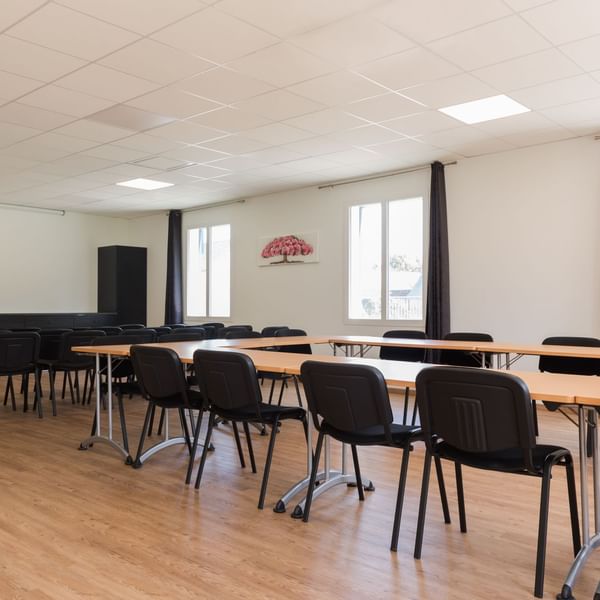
x,y
364,301
405,266
196,273
219,270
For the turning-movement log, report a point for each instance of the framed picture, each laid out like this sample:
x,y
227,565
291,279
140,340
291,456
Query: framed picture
x,y
288,249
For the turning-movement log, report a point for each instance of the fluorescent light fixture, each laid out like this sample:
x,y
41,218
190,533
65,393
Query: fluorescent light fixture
x,y
485,109
145,184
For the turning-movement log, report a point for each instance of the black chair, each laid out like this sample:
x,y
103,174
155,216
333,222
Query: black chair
x,y
161,330
212,329
192,329
181,335
161,378
149,334
132,326
223,331
404,354
271,329
228,381
240,334
295,348
174,325
461,358
19,355
110,330
484,419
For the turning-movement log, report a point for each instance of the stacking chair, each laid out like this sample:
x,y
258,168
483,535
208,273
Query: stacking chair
x,y
174,325
229,383
484,419
182,335
212,329
223,331
404,354
350,403
132,326
161,378
271,329
161,330
461,358
240,334
19,355
149,334
110,329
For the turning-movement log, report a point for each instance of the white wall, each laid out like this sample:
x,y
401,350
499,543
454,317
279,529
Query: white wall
x,y
48,263
524,254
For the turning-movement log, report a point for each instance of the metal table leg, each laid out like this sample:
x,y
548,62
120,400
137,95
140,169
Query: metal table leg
x,y
166,443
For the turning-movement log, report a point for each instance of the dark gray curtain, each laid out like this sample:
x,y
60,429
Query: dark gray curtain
x,y
437,321
174,295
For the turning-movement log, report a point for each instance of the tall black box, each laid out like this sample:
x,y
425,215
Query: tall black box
x,y
122,283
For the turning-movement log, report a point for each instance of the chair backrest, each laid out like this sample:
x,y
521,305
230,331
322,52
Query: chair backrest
x,y
149,335
132,326
77,338
408,354
19,351
476,410
121,366
50,343
568,364
159,373
174,325
271,329
182,335
347,397
296,348
191,329
209,330
26,329
228,380
161,330
238,334
461,358
223,331
110,330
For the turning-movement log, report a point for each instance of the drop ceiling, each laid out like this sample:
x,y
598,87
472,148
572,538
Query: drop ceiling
x,y
236,98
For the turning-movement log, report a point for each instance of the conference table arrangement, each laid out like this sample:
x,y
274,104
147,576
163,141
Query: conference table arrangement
x,y
580,392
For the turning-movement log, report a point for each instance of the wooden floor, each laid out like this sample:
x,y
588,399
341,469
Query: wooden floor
x,y
82,525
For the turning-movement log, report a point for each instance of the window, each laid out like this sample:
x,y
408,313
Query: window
x,y
385,261
208,271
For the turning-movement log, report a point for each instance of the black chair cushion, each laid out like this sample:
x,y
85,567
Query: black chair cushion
x,y
508,461
269,412
373,435
195,398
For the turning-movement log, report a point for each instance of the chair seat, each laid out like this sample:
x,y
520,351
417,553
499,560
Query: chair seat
x,y
269,412
373,435
195,398
508,461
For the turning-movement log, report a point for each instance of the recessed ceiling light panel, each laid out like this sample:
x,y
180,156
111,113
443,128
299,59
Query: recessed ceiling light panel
x,y
145,184
485,109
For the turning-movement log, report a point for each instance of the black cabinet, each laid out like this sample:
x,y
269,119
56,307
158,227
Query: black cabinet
x,y
122,282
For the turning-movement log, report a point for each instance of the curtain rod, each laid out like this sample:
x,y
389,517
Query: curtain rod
x,y
381,175
54,211
203,206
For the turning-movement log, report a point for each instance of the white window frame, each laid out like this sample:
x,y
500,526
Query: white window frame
x,y
384,321
209,315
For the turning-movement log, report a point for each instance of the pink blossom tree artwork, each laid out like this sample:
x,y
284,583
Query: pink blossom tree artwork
x,y
288,247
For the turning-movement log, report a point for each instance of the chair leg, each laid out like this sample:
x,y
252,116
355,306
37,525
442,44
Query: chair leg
x,y
185,430
572,491
271,391
25,391
265,479
283,384
52,377
295,378
68,375
211,424
443,497
400,497
249,444
188,475
38,392
238,443
122,418
12,392
64,385
136,463
405,410
161,422
462,515
535,418
151,426
313,477
540,563
422,505
359,485
6,391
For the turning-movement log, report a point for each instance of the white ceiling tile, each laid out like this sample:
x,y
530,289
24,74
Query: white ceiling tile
x,y
273,171
564,21
422,123
11,133
238,163
158,62
325,121
29,60
229,119
384,107
409,68
173,103
479,148
187,132
32,149
128,117
529,70
277,134
15,10
124,171
215,36
318,146
586,53
279,105
310,164
94,131
559,92
570,115
54,98
353,41
428,20
71,32
520,5
141,16
114,152
533,138
491,43
524,123
449,91
194,154
235,144
103,82
75,165
467,141
354,156
594,74
15,164
367,135
290,17
225,85
337,88
160,162
29,116
12,86
63,142
282,65
147,143
273,156
204,171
